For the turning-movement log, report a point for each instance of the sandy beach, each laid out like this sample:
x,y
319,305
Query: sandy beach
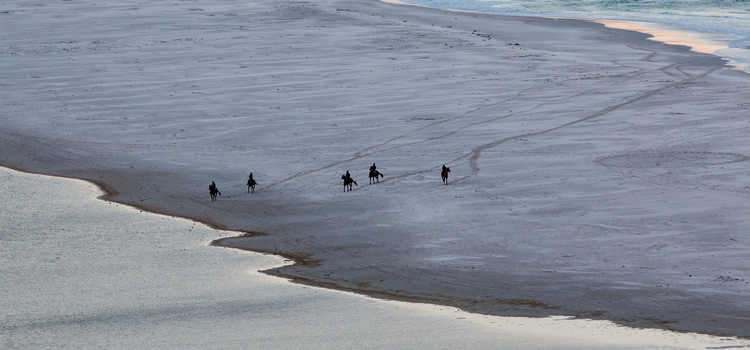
x,y
81,273
595,173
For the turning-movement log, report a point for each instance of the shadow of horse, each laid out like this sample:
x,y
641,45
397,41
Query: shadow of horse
x,y
444,174
348,181
374,176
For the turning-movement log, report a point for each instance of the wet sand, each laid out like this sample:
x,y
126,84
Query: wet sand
x,y
105,275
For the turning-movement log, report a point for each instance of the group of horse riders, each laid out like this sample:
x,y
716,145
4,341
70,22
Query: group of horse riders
x,y
375,176
214,191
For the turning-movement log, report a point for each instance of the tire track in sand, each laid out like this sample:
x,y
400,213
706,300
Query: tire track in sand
x,y
474,155
367,151
477,151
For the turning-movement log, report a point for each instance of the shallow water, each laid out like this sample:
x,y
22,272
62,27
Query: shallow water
x,y
726,17
83,273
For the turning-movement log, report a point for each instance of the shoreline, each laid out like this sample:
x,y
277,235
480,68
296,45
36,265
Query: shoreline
x,y
303,259
187,291
533,308
697,41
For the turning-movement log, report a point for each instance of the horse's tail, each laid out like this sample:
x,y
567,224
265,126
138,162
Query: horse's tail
x,y
378,173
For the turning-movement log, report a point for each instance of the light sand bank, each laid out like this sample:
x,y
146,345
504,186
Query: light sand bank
x,y
174,292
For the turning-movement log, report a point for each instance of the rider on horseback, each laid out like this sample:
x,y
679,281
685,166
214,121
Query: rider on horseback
x,y
374,174
444,174
251,183
213,191
212,187
348,181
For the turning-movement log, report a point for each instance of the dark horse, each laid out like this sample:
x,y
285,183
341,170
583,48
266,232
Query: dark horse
x,y
374,176
213,191
444,174
348,181
251,185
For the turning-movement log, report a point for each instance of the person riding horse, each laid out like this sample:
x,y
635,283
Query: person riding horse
x,y
251,184
348,181
213,190
444,174
374,174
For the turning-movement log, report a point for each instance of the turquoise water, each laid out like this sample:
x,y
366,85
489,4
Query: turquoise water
x,y
727,17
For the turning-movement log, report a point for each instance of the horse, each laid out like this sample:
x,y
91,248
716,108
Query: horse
x,y
348,181
251,185
374,176
213,191
444,174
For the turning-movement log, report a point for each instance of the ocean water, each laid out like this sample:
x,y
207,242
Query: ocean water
x,y
725,17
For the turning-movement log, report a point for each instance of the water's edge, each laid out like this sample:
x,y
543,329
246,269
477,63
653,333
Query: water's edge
x,y
697,41
541,310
